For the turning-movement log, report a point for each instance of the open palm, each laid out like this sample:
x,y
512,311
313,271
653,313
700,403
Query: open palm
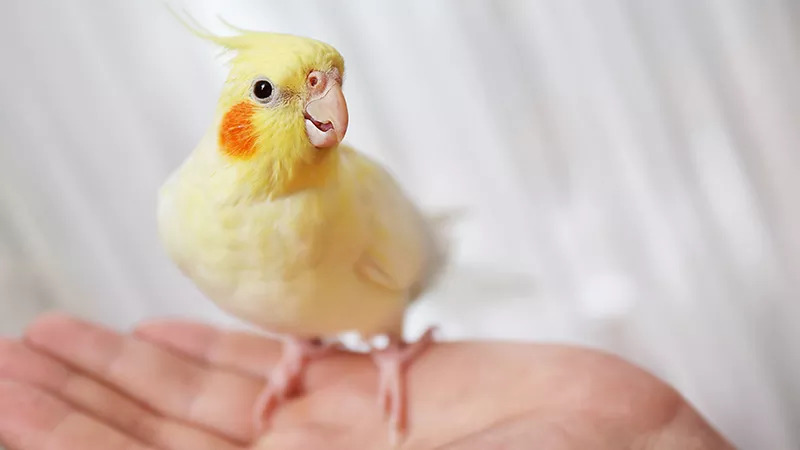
x,y
177,385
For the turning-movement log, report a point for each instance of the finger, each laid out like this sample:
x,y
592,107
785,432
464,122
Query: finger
x,y
237,351
332,381
22,364
173,386
32,419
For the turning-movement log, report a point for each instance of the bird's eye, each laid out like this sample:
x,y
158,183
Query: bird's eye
x,y
262,90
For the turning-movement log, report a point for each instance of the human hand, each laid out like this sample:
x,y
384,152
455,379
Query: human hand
x,y
177,385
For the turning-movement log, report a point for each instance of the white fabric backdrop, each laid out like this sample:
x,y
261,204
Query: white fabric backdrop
x,y
629,170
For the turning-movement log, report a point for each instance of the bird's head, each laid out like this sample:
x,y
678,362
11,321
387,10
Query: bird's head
x,y
281,108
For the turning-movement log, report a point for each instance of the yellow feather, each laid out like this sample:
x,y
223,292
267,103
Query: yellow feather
x,y
295,239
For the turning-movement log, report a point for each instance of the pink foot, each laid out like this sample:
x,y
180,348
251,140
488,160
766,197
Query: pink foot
x,y
392,363
286,378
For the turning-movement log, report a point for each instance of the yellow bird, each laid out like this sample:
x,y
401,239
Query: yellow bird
x,y
285,227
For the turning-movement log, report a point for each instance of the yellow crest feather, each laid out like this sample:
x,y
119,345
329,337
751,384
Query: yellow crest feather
x,y
197,29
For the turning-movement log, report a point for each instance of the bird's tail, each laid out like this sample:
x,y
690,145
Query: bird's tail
x,y
479,281
440,242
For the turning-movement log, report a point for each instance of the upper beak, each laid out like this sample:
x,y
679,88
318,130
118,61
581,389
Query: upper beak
x,y
325,110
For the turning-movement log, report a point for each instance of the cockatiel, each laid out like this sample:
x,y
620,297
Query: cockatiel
x,y
285,227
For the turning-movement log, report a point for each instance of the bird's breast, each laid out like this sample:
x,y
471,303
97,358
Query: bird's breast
x,y
285,264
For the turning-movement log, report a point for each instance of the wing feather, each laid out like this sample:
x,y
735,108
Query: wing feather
x,y
399,251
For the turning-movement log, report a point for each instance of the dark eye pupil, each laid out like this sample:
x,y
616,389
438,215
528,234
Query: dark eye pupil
x,y
262,89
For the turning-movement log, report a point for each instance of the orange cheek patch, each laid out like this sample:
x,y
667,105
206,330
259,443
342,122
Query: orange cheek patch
x,y
237,136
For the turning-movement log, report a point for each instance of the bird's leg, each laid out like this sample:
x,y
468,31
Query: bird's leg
x,y
286,378
392,363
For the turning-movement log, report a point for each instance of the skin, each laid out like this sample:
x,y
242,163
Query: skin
x,y
70,384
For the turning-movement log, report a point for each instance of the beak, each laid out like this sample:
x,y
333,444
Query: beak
x,y
325,110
